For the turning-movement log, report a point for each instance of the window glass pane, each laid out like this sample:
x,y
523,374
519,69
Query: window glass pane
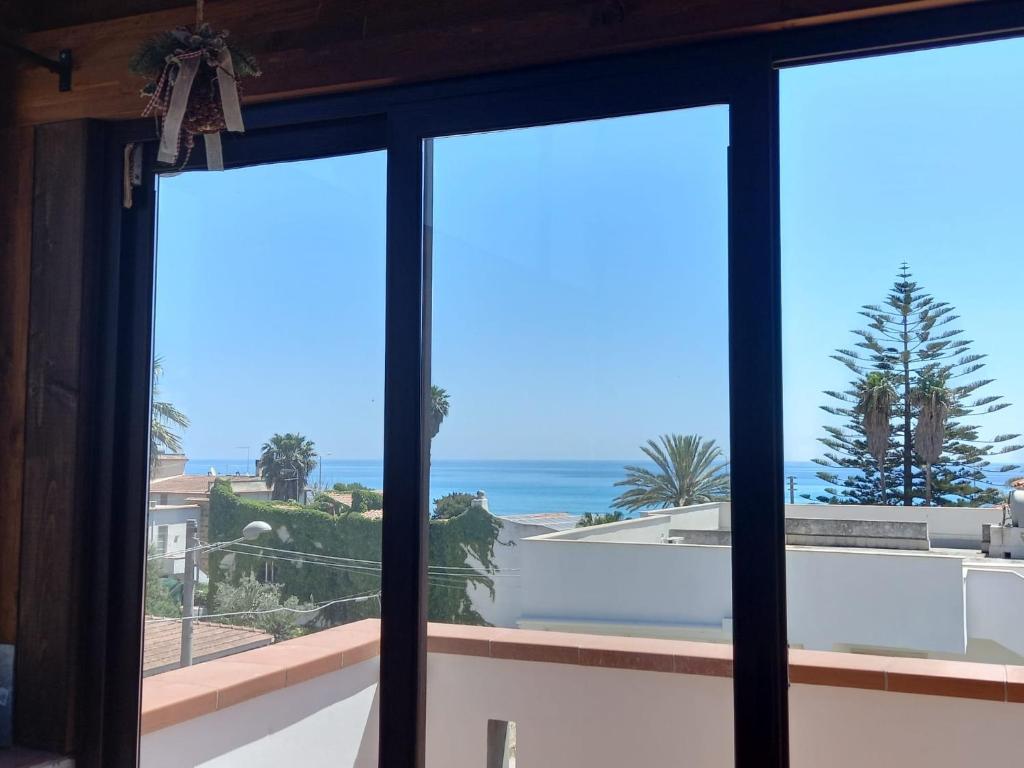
x,y
901,235
266,465
579,459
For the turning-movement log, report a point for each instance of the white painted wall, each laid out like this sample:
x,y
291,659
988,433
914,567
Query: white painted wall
x,y
642,583
173,499
507,604
506,608
174,517
835,597
173,514
569,716
648,529
903,600
653,526
947,526
329,721
995,607
582,717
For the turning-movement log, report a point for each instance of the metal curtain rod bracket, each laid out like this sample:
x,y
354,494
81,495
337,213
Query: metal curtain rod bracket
x,y
61,67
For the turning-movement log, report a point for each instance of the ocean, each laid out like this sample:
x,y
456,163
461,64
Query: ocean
x,y
519,487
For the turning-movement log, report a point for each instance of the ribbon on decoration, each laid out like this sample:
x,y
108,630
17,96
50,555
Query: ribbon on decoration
x,y
228,89
231,107
187,65
214,152
177,80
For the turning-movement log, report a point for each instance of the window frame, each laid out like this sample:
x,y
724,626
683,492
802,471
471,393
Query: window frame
x,y
741,74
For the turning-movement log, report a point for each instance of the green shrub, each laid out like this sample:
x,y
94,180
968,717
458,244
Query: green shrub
x,y
159,600
346,487
326,503
452,505
589,518
365,500
258,606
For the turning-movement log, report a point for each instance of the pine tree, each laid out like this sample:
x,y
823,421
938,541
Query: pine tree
x,y
910,342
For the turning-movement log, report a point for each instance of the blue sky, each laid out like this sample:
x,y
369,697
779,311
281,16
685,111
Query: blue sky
x,y
580,270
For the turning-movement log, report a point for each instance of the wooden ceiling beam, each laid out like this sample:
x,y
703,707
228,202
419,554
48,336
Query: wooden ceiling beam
x,y
320,46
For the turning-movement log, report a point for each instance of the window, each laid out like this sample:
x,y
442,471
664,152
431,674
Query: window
x,y
901,238
579,411
267,429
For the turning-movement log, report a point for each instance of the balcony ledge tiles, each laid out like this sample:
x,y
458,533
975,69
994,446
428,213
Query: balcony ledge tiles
x,y
183,694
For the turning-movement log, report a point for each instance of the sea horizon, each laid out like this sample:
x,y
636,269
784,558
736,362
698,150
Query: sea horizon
x,y
525,486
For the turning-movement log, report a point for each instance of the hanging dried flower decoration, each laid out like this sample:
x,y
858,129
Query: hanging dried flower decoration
x,y
193,89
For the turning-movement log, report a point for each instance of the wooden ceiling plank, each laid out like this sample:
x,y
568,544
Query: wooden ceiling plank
x,y
306,46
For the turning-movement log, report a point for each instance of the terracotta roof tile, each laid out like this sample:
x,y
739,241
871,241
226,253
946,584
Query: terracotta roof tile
x,y
162,645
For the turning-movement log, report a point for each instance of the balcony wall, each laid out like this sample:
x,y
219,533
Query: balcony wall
x,y
894,600
329,720
995,606
577,700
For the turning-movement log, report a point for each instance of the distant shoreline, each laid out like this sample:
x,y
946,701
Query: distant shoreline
x,y
521,486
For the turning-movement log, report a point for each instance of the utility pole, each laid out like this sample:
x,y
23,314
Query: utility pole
x,y
792,489
188,591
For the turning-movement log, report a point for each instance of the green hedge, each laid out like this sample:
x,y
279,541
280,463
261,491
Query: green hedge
x,y
353,536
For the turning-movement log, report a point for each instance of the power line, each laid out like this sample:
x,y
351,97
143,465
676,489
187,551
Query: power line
x,y
372,571
369,570
377,563
180,552
360,598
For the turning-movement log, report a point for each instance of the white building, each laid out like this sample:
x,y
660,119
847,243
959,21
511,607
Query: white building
x,y
888,580
176,497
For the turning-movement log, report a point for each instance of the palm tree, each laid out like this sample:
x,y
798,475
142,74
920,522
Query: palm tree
x,y
876,397
285,463
438,409
691,470
162,439
933,400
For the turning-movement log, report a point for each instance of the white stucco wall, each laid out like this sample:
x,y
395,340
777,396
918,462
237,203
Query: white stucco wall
x,y
653,525
648,529
507,604
995,607
851,728
328,721
569,716
894,601
174,518
640,583
562,716
172,514
906,601
947,526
